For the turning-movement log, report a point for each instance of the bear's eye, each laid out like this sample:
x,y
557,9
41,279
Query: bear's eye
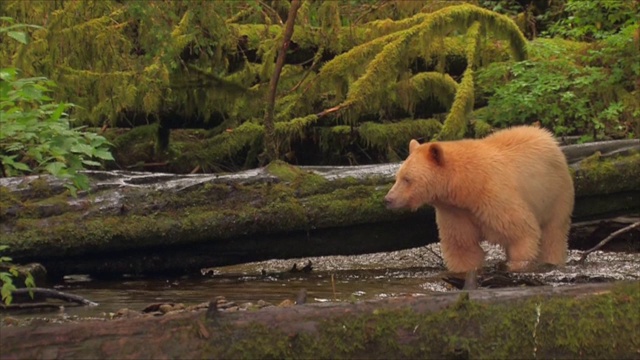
x,y
406,180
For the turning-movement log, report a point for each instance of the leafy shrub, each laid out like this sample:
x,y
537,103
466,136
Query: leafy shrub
x,y
557,94
36,135
6,278
570,87
594,19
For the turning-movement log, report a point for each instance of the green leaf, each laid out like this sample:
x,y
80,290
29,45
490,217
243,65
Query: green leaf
x,y
7,289
7,74
55,168
91,163
58,112
30,283
81,181
72,190
20,166
82,149
20,36
103,154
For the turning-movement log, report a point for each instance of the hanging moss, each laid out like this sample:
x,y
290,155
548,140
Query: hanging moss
x,y
397,135
481,128
427,85
114,58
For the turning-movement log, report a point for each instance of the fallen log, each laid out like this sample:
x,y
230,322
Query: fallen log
x,y
141,223
23,295
581,321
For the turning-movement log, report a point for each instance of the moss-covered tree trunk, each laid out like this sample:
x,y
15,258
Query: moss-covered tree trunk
x,y
582,321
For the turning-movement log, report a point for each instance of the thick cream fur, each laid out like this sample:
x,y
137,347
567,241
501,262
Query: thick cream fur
x,y
512,188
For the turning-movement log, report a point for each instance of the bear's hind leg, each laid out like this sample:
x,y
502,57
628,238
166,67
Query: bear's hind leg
x,y
522,253
554,244
524,245
518,232
459,240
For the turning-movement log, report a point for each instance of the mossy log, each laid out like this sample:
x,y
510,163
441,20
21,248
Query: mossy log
x,y
136,223
582,321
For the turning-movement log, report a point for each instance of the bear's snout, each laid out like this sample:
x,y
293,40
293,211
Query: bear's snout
x,y
389,202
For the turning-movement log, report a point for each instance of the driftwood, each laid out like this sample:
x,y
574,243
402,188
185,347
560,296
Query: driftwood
x,y
42,294
581,321
137,222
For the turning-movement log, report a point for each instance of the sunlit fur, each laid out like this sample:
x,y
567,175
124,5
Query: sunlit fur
x,y
512,188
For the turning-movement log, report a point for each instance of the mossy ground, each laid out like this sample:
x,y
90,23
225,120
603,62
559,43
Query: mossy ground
x,y
598,326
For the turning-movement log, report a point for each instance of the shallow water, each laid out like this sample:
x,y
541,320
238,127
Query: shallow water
x,y
407,272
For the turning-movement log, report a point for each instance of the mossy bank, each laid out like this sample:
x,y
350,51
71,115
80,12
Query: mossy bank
x,y
582,321
156,223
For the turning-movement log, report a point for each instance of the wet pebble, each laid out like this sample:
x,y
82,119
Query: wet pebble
x,y
286,303
126,314
226,304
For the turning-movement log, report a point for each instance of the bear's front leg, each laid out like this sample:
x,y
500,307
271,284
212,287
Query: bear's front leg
x,y
459,240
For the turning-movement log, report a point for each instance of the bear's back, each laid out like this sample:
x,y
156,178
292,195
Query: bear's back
x,y
535,166
527,137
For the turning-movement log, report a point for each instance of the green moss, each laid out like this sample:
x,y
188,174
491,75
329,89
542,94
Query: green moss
x,y
481,129
284,171
599,326
135,146
40,187
7,198
304,183
597,176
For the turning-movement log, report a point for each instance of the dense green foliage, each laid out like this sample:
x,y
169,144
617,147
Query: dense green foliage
x,y
7,277
352,64
574,87
172,62
595,19
36,134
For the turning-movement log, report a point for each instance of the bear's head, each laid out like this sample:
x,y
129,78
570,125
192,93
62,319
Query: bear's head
x,y
421,178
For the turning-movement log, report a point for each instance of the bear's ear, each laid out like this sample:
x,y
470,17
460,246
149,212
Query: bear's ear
x,y
436,154
413,145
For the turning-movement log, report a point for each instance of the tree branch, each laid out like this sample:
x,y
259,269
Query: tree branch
x,y
607,239
269,127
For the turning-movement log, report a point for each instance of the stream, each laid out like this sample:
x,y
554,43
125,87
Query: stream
x,y
411,272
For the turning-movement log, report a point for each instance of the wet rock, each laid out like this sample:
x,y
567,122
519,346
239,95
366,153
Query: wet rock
x,y
226,304
126,314
302,297
204,305
286,303
10,321
248,306
173,312
151,308
262,304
